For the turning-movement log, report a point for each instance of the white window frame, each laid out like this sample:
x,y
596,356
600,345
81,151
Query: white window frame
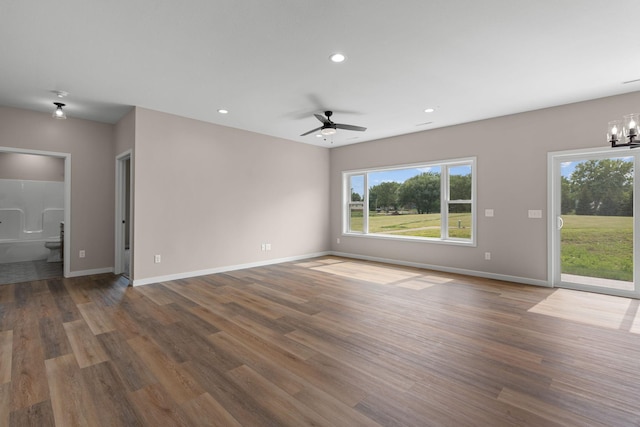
x,y
444,202
349,203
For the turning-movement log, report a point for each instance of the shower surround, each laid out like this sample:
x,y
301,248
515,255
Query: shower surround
x,y
30,213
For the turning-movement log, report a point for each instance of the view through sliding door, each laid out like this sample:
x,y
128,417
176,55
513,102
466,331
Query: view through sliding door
x,y
593,221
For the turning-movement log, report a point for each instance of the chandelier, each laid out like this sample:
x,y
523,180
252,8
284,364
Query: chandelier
x,y
624,133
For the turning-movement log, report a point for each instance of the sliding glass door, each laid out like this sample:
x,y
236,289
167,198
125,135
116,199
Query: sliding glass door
x,y
592,221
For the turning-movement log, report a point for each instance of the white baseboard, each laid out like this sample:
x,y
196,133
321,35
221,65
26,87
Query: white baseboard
x,y
79,273
504,277
186,275
474,273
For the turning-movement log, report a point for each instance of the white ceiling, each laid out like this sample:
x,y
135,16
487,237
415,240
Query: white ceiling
x,y
267,61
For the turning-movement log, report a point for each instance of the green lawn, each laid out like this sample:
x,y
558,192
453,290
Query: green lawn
x,y
598,246
594,246
419,225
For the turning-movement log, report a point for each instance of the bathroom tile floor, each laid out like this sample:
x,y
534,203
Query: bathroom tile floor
x,y
17,272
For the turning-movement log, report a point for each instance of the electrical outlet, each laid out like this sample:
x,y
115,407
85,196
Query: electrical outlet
x,y
264,246
268,245
338,240
487,256
82,253
157,259
488,212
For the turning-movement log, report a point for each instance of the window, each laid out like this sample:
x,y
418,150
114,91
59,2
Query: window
x,y
356,204
431,201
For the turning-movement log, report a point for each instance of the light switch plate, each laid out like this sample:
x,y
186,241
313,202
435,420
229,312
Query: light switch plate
x,y
488,212
535,213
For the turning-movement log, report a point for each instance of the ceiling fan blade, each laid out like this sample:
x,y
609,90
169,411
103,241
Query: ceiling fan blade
x,y
321,118
311,131
350,127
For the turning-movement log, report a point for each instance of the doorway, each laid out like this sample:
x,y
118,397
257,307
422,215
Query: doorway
x,y
592,221
123,229
37,226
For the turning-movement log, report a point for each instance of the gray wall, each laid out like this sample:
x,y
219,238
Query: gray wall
x,y
92,176
31,167
512,178
207,196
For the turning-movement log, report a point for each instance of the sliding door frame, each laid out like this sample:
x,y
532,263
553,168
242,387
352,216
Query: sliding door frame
x,y
554,161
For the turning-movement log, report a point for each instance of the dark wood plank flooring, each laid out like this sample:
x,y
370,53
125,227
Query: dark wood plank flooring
x,y
321,342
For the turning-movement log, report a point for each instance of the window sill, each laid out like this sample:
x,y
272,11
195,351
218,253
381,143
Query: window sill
x,y
453,242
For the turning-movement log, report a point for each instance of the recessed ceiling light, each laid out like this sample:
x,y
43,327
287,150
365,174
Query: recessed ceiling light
x,y
337,57
429,110
60,93
223,111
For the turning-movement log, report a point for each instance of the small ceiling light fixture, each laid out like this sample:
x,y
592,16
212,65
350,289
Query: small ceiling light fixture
x,y
223,111
337,57
429,110
626,128
59,112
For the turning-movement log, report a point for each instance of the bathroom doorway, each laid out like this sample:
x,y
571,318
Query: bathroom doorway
x,y
123,237
35,200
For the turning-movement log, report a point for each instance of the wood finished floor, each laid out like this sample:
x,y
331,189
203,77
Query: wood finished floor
x,y
324,342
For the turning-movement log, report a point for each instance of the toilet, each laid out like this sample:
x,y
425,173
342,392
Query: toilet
x,y
54,245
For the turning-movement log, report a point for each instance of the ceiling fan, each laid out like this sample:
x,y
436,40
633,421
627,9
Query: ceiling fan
x,y
329,128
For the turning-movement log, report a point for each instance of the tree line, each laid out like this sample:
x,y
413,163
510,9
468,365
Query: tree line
x,y
421,192
599,187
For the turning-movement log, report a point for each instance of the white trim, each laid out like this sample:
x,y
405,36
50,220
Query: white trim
x,y
474,273
67,216
413,239
119,229
552,218
444,201
466,272
67,197
188,274
80,273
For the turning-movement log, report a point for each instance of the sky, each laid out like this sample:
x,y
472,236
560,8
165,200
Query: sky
x,y
401,175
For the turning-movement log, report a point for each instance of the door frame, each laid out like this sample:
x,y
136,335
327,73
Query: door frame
x,y
66,262
120,214
554,160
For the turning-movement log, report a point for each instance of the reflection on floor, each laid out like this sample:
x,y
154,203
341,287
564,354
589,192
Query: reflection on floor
x,y
17,272
600,310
